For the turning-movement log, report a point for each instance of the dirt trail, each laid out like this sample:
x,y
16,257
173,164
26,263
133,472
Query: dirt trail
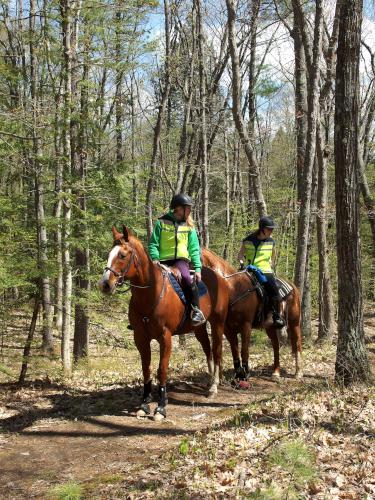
x,y
83,435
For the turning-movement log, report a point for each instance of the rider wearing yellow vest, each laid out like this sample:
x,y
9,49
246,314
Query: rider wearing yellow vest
x,y
258,249
174,241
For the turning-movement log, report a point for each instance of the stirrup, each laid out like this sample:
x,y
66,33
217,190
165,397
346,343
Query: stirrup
x,y
197,317
278,321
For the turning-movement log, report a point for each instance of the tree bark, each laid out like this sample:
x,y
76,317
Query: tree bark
x,y
159,121
82,253
47,344
351,358
305,200
237,110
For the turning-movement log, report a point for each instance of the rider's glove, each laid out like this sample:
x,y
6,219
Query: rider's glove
x,y
242,265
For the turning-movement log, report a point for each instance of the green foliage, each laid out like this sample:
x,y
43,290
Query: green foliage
x,y
184,447
67,491
296,458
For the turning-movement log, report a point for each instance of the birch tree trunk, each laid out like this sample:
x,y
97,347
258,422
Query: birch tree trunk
x,y
351,359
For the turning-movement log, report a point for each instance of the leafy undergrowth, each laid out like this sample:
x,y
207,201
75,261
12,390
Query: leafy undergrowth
x,y
317,442
309,440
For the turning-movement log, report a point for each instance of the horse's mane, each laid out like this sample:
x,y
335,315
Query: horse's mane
x,y
219,261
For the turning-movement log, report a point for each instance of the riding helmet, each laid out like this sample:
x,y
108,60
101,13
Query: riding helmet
x,y
266,222
181,200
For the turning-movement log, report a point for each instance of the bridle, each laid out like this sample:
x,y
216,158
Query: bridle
x,y
122,276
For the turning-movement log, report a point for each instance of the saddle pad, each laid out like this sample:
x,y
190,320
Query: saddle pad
x,y
202,289
285,289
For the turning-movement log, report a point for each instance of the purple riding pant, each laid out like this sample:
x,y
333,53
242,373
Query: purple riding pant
x,y
183,267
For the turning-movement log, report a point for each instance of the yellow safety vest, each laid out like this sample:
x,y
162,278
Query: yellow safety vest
x,y
174,240
260,256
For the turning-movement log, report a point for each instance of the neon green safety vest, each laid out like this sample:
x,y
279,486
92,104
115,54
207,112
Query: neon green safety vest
x,y
260,256
174,240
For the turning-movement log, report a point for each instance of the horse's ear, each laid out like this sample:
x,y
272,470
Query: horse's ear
x,y
125,232
116,234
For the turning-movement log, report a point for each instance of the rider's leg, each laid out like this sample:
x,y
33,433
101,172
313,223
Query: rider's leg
x,y
273,293
197,317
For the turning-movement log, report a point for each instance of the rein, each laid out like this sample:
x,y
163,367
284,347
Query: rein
x,y
122,277
246,292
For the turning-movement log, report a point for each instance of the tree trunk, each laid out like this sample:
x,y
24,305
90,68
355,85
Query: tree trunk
x,y
66,7
159,122
351,359
305,200
82,283
237,110
203,125
325,299
30,336
47,344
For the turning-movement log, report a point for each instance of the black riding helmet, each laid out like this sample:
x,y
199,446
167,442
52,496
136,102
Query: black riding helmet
x,y
181,200
266,222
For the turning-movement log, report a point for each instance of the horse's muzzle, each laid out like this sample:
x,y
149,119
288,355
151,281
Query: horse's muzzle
x,y
105,286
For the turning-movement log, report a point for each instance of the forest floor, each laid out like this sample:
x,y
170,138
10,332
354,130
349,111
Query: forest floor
x,y
79,437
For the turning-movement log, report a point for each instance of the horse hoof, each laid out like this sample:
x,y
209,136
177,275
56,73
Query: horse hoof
x,y
276,376
141,413
159,413
298,375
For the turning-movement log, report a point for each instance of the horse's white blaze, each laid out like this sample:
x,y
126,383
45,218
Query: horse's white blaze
x,y
112,254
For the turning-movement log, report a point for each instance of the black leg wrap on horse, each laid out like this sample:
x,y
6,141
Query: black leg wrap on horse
x,y
237,364
147,392
246,368
162,401
162,395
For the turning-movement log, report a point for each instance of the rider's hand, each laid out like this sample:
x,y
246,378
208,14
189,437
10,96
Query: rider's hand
x,y
198,277
242,265
156,262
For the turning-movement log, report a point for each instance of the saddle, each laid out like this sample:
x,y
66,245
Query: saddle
x,y
175,280
284,289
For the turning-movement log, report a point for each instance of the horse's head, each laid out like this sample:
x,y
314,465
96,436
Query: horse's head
x,y
122,262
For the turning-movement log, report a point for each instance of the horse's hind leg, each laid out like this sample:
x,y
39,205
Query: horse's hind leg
x,y
202,337
294,330
272,334
232,338
165,342
144,348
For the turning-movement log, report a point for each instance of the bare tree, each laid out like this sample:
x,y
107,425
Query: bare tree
x,y
237,109
351,360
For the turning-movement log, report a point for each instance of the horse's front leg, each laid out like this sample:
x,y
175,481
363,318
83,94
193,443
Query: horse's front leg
x,y
245,343
165,342
217,347
144,348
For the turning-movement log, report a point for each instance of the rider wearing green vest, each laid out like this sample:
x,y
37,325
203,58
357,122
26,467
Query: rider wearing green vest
x,y
258,249
174,241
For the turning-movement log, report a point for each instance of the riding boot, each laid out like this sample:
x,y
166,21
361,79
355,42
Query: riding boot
x,y
278,320
197,317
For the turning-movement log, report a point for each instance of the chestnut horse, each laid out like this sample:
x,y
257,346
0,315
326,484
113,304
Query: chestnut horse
x,y
244,304
156,311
